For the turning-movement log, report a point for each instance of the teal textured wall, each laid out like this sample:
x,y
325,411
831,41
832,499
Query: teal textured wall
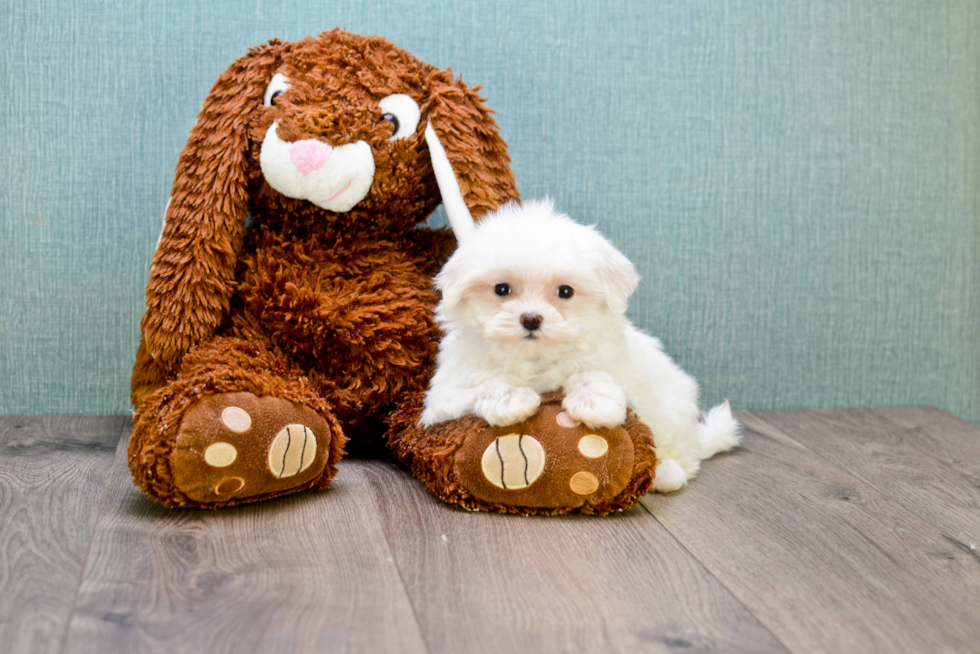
x,y
797,181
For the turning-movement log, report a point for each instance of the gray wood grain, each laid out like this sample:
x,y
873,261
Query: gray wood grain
x,y
52,478
826,561
493,583
310,572
932,470
830,530
941,434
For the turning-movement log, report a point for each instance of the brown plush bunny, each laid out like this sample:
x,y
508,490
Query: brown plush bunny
x,y
290,302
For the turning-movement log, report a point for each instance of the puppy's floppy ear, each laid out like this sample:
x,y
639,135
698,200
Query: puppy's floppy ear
x,y
192,276
617,274
452,281
461,133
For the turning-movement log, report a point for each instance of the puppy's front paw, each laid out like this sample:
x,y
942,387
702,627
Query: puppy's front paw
x,y
511,407
431,416
598,407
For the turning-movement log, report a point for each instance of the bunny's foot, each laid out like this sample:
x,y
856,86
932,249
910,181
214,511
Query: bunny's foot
x,y
547,464
236,425
236,445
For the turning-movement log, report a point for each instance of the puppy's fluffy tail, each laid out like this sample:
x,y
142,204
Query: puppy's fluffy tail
x,y
718,431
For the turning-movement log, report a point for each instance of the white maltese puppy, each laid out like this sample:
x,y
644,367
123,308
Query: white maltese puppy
x,y
534,302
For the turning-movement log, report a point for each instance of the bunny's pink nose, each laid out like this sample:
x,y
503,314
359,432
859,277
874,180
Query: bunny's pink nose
x,y
308,155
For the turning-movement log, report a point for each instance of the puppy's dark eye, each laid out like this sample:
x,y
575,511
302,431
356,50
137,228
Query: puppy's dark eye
x,y
502,289
272,100
565,292
393,119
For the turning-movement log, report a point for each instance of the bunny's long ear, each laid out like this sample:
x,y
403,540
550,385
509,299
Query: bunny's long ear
x,y
469,158
192,276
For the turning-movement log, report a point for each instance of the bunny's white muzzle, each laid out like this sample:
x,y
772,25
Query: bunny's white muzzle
x,y
332,178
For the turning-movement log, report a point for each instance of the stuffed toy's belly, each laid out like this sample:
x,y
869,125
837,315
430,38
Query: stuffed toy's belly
x,y
359,321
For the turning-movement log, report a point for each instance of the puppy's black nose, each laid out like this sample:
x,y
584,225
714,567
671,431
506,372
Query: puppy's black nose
x,y
531,321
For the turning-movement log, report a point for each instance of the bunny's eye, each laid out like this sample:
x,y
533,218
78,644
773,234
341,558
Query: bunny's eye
x,y
276,87
393,119
402,112
502,289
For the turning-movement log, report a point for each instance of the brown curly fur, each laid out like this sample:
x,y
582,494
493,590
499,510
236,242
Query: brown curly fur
x,y
336,307
330,310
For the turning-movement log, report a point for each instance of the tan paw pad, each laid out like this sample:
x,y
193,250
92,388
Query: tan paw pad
x,y
220,455
583,483
566,421
236,419
229,486
513,461
593,446
292,451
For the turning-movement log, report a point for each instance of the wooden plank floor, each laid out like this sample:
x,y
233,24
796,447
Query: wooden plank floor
x,y
828,531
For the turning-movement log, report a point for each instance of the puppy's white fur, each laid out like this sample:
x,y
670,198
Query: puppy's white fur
x,y
491,365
